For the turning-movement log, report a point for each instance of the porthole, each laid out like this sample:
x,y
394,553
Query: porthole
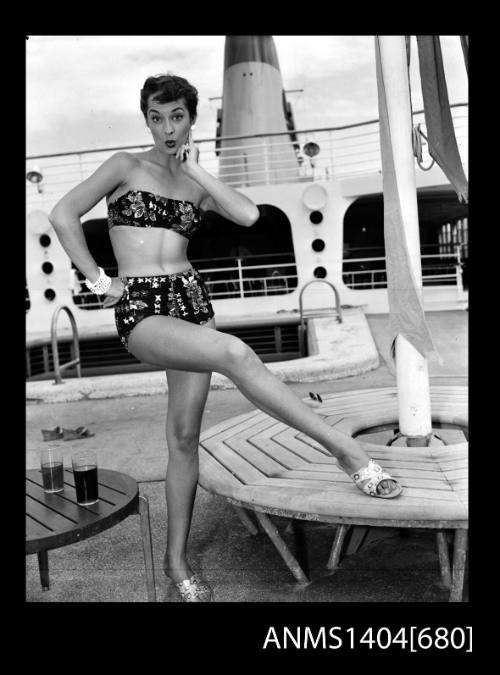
x,y
48,267
316,217
45,240
50,294
319,272
318,245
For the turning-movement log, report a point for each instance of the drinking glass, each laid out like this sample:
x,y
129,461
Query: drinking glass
x,y
85,474
51,463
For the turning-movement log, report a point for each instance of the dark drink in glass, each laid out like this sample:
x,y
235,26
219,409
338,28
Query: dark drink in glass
x,y
85,475
52,476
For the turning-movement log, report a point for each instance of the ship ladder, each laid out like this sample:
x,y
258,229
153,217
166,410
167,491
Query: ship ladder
x,y
312,313
58,367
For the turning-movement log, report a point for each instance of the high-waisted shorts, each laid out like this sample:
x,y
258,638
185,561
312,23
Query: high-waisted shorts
x,y
182,295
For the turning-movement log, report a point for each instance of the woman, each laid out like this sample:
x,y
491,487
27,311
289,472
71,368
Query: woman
x,y
156,201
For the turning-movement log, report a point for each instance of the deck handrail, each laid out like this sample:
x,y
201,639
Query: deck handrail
x,y
58,368
218,139
288,274
302,326
258,159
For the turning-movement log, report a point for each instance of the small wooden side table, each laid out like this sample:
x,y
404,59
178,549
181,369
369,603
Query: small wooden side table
x,y
55,520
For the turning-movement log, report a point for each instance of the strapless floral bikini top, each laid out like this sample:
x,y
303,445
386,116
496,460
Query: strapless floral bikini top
x,y
139,208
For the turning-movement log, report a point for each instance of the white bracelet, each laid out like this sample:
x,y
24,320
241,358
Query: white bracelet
x,y
102,285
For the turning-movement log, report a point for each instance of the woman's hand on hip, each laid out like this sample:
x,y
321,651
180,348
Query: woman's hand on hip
x,y
114,293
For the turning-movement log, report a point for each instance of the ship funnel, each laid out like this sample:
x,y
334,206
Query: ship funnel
x,y
254,103
250,48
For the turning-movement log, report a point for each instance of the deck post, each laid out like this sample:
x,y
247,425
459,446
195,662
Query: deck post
x,y
411,367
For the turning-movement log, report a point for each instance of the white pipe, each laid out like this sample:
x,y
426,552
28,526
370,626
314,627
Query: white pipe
x,y
411,367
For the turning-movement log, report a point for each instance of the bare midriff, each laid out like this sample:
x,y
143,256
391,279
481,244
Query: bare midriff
x,y
145,252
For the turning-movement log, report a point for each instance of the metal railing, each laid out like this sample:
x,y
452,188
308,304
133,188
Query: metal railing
x,y
258,159
236,279
302,326
376,277
58,368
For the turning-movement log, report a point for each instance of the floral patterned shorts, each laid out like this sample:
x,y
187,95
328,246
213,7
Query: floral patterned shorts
x,y
182,295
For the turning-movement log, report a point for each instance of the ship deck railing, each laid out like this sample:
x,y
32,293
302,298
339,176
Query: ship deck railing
x,y
241,279
437,269
255,159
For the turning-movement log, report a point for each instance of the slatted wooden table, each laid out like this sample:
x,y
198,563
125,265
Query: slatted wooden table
x,y
267,467
55,520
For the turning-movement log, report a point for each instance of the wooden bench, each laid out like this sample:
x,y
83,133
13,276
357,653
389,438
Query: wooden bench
x,y
259,464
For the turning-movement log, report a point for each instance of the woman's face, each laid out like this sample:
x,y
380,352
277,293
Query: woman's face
x,y
169,123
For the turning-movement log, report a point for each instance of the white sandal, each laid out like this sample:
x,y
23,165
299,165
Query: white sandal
x,y
370,476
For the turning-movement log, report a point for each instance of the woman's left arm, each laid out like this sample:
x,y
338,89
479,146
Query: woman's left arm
x,y
221,198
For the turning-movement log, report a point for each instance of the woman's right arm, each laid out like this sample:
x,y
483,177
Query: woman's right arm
x,y
66,214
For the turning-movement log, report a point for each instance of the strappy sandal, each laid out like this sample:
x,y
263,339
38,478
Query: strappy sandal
x,y
79,432
195,590
369,477
52,434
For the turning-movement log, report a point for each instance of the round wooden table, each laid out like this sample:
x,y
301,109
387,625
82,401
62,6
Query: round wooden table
x,y
55,520
264,466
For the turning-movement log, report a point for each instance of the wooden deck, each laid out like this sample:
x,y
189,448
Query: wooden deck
x,y
262,465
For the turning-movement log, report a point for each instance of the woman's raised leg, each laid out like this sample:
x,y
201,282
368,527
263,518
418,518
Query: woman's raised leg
x,y
173,343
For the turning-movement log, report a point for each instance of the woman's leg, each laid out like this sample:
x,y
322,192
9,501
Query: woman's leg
x,y
173,343
187,395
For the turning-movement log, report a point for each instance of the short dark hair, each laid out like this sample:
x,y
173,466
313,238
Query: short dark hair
x,y
167,88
